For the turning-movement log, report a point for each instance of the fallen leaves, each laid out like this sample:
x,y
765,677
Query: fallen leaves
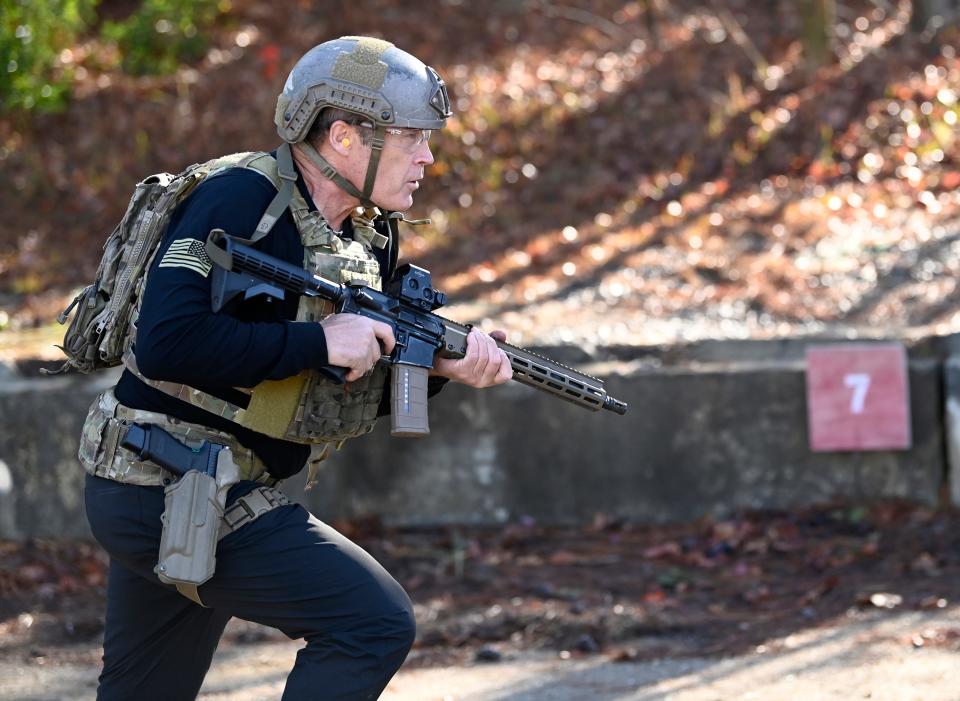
x,y
50,568
612,587
750,199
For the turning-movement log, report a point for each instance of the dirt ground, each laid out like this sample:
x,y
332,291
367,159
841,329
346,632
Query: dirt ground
x,y
836,602
870,655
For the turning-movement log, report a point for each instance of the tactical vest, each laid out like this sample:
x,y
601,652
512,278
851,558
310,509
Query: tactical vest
x,y
304,408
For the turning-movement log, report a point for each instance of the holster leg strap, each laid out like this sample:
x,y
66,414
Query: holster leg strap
x,y
250,507
244,510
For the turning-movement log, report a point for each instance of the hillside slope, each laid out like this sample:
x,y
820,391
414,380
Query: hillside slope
x,y
614,174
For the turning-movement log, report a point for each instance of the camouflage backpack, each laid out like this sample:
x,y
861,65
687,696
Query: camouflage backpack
x,y
105,311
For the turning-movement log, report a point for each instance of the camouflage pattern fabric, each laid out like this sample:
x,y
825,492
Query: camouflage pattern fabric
x,y
101,455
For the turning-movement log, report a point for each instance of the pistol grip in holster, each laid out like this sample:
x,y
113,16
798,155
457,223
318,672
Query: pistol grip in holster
x,y
408,401
193,510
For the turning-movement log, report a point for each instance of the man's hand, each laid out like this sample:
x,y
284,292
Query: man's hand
x,y
484,365
356,342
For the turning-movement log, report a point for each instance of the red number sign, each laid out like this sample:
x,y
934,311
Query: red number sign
x,y
858,397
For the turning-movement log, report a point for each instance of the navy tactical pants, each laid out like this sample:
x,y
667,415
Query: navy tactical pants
x,y
286,570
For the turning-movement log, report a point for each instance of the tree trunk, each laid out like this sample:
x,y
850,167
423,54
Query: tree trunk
x,y
818,21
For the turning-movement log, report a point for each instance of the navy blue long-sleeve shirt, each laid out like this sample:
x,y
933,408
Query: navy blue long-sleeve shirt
x,y
180,338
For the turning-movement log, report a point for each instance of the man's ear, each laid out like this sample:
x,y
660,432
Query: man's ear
x,y
342,137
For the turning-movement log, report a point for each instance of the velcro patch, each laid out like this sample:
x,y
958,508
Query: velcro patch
x,y
189,254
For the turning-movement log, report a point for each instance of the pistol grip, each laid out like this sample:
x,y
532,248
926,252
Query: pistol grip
x,y
408,401
334,373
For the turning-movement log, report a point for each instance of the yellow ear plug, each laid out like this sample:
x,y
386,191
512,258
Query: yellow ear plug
x,y
346,142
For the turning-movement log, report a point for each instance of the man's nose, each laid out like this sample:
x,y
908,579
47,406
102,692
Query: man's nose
x,y
424,154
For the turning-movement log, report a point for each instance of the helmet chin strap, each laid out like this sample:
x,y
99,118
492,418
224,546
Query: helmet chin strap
x,y
329,172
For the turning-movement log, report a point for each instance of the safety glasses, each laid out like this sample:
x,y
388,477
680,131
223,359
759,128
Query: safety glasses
x,y
408,140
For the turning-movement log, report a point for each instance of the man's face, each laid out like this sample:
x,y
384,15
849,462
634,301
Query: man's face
x,y
406,154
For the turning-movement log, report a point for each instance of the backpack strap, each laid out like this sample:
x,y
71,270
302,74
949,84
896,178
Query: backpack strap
x,y
287,175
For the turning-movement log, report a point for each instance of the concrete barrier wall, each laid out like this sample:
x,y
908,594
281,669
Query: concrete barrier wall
x,y
711,429
41,481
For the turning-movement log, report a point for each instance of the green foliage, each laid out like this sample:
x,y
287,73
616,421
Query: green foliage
x,y
32,35
154,39
162,34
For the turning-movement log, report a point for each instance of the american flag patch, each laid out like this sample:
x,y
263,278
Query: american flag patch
x,y
189,254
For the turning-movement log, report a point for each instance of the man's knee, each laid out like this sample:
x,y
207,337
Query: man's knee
x,y
384,634
388,634
356,660
389,617
403,627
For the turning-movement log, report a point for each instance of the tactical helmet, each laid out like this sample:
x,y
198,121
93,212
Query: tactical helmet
x,y
370,77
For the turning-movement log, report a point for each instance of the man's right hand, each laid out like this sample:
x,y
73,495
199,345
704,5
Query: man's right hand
x,y
356,342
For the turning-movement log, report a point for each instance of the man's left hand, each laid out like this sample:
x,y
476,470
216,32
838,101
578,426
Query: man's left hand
x,y
484,365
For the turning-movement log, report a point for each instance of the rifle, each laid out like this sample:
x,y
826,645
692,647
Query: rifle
x,y
407,305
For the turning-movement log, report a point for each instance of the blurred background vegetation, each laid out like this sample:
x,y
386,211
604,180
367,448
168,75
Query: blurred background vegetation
x,y
38,39
620,171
